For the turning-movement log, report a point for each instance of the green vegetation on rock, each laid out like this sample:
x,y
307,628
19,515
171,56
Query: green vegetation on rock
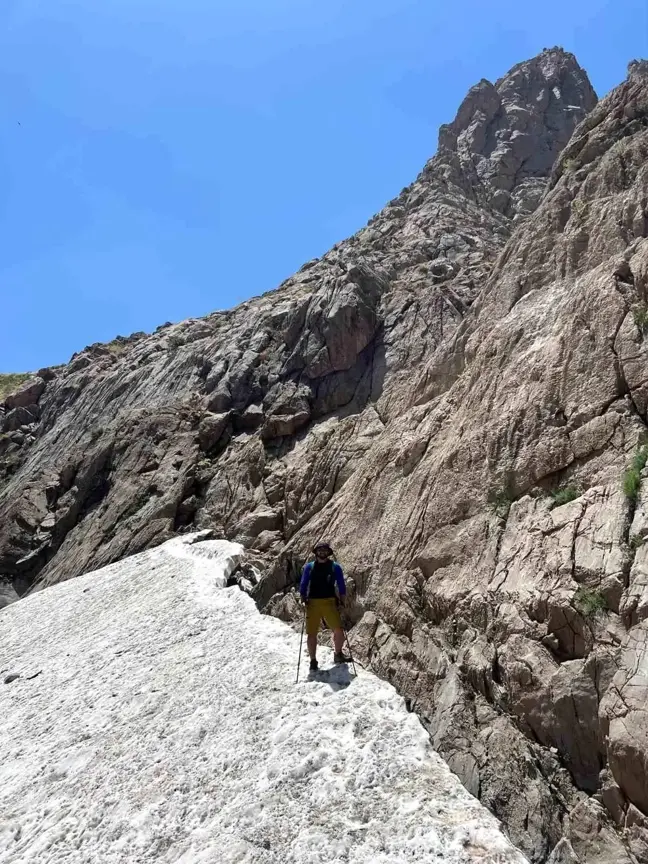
x,y
500,501
632,475
564,495
11,381
589,602
640,315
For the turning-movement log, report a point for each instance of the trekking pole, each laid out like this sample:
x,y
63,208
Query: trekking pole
x,y
346,636
301,640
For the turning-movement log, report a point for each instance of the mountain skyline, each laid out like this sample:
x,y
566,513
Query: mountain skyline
x,y
161,165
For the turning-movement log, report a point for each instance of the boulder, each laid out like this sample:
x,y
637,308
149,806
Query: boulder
x,y
28,394
15,418
211,429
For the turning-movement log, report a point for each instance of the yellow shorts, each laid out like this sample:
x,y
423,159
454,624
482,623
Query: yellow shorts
x,y
318,609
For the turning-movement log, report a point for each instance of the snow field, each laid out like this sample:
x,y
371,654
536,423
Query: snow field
x,y
163,724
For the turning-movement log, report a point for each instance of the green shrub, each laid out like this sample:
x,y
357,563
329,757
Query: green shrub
x,y
175,340
640,315
500,501
631,484
564,495
116,347
589,602
11,381
570,165
578,207
632,475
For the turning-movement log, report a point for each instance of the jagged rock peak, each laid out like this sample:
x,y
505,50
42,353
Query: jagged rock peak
x,y
506,136
638,69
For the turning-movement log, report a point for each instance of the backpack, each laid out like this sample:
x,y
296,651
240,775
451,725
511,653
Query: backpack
x,y
325,584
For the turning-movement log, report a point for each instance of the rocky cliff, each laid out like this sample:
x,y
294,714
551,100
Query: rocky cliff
x,y
456,396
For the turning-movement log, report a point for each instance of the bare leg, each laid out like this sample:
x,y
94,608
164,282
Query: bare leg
x,y
311,641
338,640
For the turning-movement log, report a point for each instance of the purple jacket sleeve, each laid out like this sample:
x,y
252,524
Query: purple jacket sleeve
x,y
305,579
339,579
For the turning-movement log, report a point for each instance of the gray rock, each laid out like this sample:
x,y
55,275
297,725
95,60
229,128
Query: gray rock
x,y
211,429
593,839
636,826
511,133
625,718
18,417
7,593
563,853
250,419
612,797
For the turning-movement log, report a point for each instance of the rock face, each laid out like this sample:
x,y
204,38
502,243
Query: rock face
x,y
507,136
452,396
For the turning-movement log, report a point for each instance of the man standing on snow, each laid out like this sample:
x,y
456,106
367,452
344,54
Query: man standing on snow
x,y
319,581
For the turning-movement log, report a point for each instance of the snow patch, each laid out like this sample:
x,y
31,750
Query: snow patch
x,y
211,562
165,726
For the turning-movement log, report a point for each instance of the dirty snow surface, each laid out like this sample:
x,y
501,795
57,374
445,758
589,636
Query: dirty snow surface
x,y
156,718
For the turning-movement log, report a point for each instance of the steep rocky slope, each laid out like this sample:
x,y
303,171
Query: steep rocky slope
x,y
519,629
458,423
137,438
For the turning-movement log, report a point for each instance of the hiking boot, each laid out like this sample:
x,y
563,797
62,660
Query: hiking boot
x,y
313,665
341,657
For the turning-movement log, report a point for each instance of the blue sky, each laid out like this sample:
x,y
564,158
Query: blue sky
x,y
160,159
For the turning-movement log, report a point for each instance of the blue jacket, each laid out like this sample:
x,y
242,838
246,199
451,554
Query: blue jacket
x,y
307,572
